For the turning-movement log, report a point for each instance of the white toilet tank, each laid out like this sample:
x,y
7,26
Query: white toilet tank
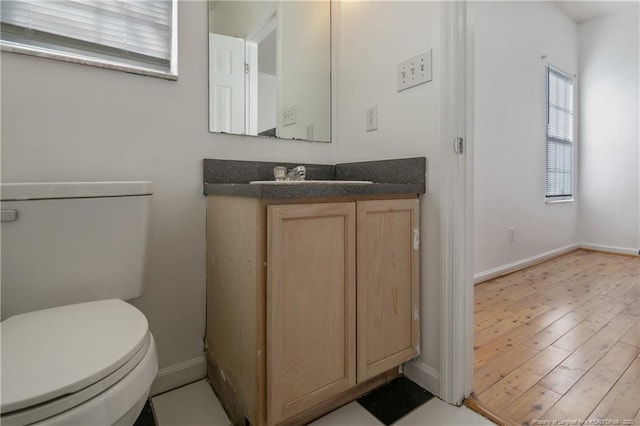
x,y
71,242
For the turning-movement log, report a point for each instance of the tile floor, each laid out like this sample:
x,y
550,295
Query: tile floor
x,y
197,405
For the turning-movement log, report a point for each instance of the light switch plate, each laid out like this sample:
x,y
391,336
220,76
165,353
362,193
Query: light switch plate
x,y
415,71
289,116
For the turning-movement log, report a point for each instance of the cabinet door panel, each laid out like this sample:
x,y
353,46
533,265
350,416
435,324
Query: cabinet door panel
x,y
310,305
388,279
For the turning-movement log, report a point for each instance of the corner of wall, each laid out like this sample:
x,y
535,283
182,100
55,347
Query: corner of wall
x,y
178,375
522,263
424,375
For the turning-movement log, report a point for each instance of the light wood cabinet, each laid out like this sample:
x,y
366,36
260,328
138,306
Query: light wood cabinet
x,y
388,268
311,305
308,305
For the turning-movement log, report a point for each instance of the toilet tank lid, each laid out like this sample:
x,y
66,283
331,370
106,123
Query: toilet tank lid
x,y
53,352
53,190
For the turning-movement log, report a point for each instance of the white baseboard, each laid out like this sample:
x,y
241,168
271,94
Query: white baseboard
x,y
179,375
522,263
424,375
610,249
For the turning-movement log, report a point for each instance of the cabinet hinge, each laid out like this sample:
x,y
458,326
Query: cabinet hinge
x,y
416,239
246,68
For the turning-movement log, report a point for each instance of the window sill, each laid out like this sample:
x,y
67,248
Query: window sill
x,y
85,60
570,200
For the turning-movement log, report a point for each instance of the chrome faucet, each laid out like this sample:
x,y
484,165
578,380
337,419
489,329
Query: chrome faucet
x,y
297,173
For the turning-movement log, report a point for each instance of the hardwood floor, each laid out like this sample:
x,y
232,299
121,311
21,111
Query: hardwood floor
x,y
560,341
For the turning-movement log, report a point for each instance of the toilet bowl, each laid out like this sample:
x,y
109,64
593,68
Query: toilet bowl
x,y
83,364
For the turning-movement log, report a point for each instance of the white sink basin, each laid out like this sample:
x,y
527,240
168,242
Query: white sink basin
x,y
317,182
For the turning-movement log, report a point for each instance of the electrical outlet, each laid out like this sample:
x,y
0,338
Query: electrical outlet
x,y
372,118
512,234
289,116
415,71
310,132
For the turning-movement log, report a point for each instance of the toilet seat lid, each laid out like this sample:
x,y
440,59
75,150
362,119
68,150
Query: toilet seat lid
x,y
54,352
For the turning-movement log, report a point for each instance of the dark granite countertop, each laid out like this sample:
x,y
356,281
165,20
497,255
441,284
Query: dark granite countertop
x,y
389,177
310,190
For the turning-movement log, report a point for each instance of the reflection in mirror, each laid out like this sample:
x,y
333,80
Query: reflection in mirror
x,y
270,68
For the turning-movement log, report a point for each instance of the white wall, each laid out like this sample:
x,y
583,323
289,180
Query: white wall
x,y
370,38
267,101
69,122
609,188
510,38
304,67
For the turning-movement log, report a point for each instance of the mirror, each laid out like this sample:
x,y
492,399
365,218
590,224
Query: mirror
x,y
270,68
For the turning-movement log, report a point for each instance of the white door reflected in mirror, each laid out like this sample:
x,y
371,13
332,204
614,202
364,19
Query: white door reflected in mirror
x,y
270,69
226,68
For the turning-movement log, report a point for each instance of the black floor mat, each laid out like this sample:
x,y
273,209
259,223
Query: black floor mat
x,y
146,416
394,400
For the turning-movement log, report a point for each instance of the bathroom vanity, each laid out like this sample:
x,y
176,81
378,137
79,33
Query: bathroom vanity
x,y
312,289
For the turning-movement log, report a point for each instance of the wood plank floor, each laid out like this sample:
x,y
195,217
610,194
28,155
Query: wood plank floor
x,y
560,341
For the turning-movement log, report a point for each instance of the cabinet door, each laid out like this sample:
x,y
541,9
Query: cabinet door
x,y
388,280
310,305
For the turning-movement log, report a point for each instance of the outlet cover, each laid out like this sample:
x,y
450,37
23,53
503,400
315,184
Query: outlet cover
x,y
372,118
289,116
415,71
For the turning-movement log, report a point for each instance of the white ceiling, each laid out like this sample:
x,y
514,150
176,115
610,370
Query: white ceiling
x,y
581,11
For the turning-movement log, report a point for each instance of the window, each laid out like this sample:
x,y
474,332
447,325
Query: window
x,y
559,163
129,35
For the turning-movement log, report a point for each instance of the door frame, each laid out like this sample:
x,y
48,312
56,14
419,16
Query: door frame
x,y
456,356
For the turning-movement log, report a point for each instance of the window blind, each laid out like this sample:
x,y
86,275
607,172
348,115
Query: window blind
x,y
559,158
129,32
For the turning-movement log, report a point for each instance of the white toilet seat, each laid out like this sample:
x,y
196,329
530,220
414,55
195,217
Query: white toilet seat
x,y
73,385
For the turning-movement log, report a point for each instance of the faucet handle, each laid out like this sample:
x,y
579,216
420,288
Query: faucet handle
x,y
280,172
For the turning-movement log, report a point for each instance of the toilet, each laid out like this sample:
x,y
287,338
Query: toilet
x,y
74,352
